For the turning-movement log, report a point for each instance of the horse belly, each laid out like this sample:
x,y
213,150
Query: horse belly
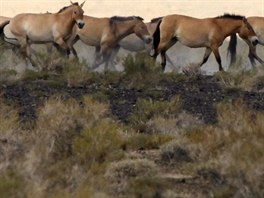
x,y
9,37
194,42
132,43
38,33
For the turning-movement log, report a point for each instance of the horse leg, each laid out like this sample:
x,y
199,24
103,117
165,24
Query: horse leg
x,y
207,53
114,53
70,43
253,55
63,45
162,48
217,56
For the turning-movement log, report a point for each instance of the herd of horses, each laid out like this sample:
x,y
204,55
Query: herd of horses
x,y
64,28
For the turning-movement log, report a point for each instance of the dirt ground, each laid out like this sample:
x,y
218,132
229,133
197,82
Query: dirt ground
x,y
199,96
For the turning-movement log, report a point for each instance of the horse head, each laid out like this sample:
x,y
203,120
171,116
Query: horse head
x,y
77,14
247,32
141,30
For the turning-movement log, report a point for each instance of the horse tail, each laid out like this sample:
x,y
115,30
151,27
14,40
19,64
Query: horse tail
x,y
156,36
232,48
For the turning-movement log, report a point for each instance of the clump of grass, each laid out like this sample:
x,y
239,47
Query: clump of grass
x,y
121,175
234,147
9,121
241,79
174,152
76,73
12,185
7,75
100,143
147,141
145,110
141,71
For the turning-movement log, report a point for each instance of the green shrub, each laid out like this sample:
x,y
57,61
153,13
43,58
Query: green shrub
x,y
100,143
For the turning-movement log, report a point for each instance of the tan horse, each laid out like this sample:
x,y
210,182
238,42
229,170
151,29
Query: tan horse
x,y
44,28
133,43
105,33
192,32
257,24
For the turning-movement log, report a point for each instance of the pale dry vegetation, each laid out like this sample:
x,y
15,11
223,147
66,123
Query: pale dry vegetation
x,y
77,146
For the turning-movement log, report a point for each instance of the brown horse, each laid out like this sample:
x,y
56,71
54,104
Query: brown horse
x,y
133,43
192,32
257,24
45,28
105,33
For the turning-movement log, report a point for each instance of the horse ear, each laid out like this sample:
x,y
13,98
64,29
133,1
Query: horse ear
x,y
244,19
71,2
82,4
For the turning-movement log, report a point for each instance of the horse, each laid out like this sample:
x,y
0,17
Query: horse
x,y
105,33
56,28
193,32
133,43
257,24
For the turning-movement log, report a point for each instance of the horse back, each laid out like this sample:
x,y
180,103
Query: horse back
x,y
36,27
95,30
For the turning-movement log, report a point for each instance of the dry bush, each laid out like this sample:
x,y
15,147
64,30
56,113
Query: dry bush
x,y
49,162
121,175
174,125
234,146
76,73
146,110
102,142
242,79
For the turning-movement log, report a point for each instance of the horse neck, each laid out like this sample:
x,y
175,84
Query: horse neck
x,y
66,17
124,28
230,26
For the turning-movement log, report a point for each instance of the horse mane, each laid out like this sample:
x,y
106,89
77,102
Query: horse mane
x,y
120,18
155,20
64,8
230,16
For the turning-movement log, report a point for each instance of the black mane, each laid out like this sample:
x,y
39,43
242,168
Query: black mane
x,y
119,18
230,16
64,8
155,20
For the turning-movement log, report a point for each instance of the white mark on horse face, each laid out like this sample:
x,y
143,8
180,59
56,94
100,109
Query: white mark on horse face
x,y
254,40
80,23
147,39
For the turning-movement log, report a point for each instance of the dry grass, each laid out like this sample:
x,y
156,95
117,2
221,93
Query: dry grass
x,y
120,175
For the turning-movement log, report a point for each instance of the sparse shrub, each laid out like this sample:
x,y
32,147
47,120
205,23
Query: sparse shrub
x,y
145,110
76,73
175,152
192,70
120,175
7,75
241,79
147,141
141,71
9,122
174,125
12,185
101,142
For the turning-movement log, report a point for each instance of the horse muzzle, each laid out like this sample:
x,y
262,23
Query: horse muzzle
x,y
80,24
254,41
147,39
